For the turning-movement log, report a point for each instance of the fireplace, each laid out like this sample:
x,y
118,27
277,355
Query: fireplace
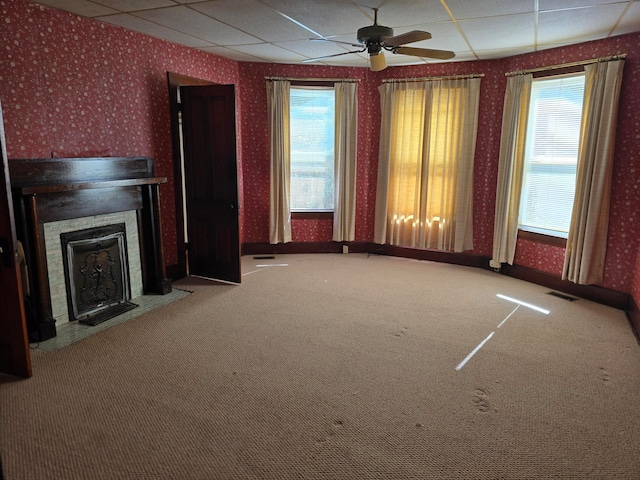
x,y
48,193
96,272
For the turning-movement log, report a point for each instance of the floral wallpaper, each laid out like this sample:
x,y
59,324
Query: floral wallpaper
x,y
73,87
76,87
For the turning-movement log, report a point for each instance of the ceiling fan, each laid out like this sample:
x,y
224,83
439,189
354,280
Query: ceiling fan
x,y
374,39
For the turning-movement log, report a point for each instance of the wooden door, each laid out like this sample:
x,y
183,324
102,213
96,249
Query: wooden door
x,y
211,181
14,346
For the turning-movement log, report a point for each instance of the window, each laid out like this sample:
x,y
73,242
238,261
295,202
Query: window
x,y
551,154
312,122
425,172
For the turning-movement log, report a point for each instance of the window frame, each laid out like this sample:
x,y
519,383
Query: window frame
x,y
534,236
299,214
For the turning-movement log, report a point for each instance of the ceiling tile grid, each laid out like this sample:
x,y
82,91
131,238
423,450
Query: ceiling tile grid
x,y
280,31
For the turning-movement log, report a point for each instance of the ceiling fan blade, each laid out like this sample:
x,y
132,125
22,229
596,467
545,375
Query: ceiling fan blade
x,y
409,37
308,60
425,52
336,41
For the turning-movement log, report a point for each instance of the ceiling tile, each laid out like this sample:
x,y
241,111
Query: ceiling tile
x,y
135,5
263,22
564,4
630,21
196,24
325,17
313,49
131,22
83,8
232,54
567,26
270,53
484,33
464,9
398,13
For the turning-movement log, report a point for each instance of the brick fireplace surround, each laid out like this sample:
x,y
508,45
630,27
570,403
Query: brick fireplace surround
x,y
75,193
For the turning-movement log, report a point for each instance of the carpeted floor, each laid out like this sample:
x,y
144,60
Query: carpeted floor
x,y
337,367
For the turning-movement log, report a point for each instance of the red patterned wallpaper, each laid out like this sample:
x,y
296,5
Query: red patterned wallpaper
x,y
75,87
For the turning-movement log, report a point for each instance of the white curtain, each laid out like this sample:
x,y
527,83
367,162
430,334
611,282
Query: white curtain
x,y
587,241
515,116
346,128
425,167
279,205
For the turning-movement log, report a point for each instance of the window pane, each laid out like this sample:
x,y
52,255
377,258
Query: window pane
x,y
312,142
551,156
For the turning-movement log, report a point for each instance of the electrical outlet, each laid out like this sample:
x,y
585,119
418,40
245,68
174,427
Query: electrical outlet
x,y
345,248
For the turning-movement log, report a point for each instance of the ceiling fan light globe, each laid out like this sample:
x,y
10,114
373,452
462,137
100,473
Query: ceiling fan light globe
x,y
378,62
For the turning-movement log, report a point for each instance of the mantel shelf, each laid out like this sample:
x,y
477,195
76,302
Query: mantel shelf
x,y
73,186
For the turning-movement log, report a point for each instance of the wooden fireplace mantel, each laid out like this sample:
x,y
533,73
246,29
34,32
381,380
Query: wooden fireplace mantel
x,y
47,190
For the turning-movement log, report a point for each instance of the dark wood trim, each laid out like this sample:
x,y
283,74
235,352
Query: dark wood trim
x,y
612,298
541,238
75,186
594,293
31,172
312,215
554,72
261,248
633,314
462,258
312,83
366,247
173,271
15,357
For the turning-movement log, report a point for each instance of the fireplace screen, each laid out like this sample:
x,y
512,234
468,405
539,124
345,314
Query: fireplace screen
x,y
96,273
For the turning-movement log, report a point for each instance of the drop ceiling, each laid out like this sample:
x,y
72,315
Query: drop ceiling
x,y
279,31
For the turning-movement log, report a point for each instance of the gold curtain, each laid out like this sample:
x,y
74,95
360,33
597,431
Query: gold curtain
x,y
515,116
279,204
587,241
346,141
425,172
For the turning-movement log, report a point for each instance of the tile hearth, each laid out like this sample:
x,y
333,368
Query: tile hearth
x,y
71,332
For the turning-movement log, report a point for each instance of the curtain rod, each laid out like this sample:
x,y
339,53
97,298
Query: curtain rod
x,y
426,79
571,64
293,79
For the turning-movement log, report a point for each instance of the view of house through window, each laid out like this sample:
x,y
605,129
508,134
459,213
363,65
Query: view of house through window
x,y
553,135
312,133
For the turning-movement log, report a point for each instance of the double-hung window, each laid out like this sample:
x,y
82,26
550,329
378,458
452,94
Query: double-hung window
x,y
551,154
425,171
312,139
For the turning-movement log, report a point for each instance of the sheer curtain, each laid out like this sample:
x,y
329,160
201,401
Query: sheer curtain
x,y
346,128
510,168
587,241
279,206
425,168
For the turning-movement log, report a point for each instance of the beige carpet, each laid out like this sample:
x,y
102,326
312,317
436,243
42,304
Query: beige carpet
x,y
337,367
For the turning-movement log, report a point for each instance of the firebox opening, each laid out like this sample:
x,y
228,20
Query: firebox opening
x,y
96,273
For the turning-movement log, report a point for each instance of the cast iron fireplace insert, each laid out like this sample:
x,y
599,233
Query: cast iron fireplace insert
x,y
96,273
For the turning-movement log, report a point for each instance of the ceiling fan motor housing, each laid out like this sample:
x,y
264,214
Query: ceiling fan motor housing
x,y
374,34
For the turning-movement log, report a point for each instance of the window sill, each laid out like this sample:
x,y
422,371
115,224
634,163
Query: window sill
x,y
544,239
311,215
